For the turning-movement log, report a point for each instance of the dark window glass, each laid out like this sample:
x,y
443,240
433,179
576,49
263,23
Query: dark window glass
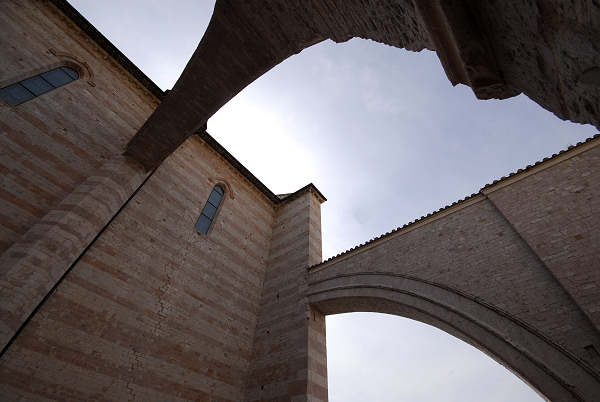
x,y
57,77
35,86
16,94
215,198
203,224
71,73
210,209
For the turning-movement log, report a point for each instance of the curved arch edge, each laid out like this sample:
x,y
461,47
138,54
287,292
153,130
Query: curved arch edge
x,y
547,367
83,68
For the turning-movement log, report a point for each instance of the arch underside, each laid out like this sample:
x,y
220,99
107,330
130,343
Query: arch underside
x,y
499,49
547,367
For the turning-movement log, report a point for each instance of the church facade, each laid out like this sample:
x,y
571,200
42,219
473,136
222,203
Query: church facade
x,y
193,281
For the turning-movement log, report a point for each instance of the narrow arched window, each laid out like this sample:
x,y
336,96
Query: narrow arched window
x,y
37,85
210,209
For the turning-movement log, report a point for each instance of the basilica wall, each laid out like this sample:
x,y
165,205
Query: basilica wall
x,y
155,310
289,359
108,291
527,244
119,297
52,143
518,261
556,211
63,176
477,251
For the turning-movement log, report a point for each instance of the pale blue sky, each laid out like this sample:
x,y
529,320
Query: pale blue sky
x,y
387,139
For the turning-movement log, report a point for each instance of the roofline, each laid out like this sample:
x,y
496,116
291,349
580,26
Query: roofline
x,y
309,187
108,47
79,20
545,163
214,144
504,181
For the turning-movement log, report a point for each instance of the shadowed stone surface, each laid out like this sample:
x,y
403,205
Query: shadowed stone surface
x,y
547,50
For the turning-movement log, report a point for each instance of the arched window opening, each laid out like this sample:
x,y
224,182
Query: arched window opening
x,y
37,85
210,209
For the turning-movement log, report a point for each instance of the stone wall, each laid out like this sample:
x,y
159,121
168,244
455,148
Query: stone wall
x,y
63,175
53,143
289,357
107,290
154,310
518,262
557,212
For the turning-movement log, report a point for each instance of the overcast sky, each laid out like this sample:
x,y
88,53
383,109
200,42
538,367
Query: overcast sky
x,y
387,139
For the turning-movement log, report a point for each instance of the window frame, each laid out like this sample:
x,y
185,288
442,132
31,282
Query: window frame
x,y
24,85
208,206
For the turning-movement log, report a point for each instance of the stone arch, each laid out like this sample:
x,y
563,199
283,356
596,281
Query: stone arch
x,y
83,69
219,181
547,367
498,51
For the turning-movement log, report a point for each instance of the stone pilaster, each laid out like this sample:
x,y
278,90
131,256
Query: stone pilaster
x,y
289,355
